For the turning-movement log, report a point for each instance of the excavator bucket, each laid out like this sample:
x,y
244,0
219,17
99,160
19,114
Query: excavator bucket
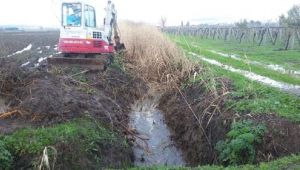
x,y
99,63
119,47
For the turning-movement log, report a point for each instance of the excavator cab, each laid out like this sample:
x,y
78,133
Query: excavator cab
x,y
79,33
71,14
81,42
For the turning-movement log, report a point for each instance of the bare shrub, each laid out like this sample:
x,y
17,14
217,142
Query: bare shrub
x,y
10,76
153,57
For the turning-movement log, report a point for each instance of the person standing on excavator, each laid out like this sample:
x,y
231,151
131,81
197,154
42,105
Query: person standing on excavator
x,y
110,18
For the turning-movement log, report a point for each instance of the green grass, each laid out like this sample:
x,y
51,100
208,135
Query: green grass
x,y
239,146
248,96
251,97
291,162
206,45
33,141
266,53
85,134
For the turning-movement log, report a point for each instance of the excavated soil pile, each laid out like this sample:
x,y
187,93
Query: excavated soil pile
x,y
197,137
47,96
282,138
197,142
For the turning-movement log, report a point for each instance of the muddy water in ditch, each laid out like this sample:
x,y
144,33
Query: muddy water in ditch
x,y
153,145
9,125
3,107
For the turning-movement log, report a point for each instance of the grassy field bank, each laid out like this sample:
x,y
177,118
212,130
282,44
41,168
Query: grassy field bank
x,y
248,96
257,59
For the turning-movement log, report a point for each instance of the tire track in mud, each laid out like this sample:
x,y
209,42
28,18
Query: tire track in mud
x,y
274,67
28,48
293,89
41,54
3,107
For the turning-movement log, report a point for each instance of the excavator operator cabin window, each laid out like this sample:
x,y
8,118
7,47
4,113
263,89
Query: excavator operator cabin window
x,y
71,14
90,16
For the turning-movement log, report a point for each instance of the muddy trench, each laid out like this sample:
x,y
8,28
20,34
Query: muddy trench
x,y
166,133
165,130
153,144
3,107
197,141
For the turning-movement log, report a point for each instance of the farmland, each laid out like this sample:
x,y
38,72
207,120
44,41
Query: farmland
x,y
100,119
245,57
264,60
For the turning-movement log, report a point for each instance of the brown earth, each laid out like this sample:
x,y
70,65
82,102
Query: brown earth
x,y
41,95
281,139
50,95
197,146
46,96
11,42
55,95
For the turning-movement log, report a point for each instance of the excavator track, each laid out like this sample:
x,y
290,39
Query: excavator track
x,y
99,63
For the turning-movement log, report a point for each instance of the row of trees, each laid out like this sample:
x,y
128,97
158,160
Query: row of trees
x,y
285,33
291,22
292,19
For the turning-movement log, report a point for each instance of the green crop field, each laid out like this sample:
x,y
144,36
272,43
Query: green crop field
x,y
254,58
264,99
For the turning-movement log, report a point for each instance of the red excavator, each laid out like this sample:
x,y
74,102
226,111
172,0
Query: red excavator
x,y
81,41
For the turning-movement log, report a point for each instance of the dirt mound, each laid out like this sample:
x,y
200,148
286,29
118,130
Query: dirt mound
x,y
199,120
198,125
282,138
45,98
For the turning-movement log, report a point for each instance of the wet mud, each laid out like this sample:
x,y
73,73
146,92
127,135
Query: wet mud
x,y
153,145
197,140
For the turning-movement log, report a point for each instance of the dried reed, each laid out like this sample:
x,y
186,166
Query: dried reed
x,y
153,57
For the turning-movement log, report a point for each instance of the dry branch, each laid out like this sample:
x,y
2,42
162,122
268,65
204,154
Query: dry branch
x,y
9,114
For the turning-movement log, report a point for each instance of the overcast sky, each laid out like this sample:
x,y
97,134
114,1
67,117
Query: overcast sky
x,y
46,13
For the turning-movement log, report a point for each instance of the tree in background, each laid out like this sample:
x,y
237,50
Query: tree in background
x,y
188,24
163,21
253,23
292,18
242,24
245,24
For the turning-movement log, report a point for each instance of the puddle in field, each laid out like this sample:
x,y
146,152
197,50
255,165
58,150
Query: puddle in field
x,y
274,67
56,47
8,126
294,89
153,146
283,70
3,107
25,64
41,59
234,56
21,51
